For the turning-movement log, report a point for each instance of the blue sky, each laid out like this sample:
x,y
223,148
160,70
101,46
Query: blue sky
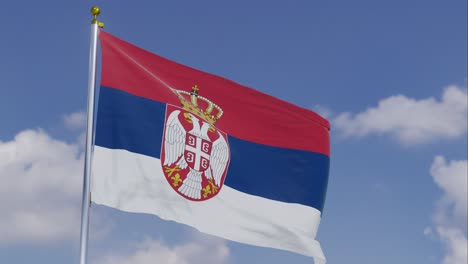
x,y
390,75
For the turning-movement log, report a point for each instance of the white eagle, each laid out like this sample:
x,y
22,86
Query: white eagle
x,y
174,148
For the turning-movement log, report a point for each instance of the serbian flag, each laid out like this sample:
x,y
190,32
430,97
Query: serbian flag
x,y
203,151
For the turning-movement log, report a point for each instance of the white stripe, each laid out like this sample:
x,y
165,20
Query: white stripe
x,y
136,183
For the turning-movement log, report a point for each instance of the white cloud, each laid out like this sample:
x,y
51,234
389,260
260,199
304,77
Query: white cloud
x,y
40,188
456,244
75,120
412,121
207,251
450,216
452,178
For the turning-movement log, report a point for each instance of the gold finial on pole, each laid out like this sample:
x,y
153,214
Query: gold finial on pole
x,y
95,11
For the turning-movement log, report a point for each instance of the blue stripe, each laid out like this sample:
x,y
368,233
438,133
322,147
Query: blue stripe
x,y
294,176
287,175
129,122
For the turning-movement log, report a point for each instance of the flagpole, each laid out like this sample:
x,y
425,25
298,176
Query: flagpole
x,y
86,202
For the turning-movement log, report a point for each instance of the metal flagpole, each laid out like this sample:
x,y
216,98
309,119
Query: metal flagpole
x,y
86,202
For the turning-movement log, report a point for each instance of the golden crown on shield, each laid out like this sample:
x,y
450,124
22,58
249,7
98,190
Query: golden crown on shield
x,y
191,102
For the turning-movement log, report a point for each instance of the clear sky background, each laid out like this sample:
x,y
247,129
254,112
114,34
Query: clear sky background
x,y
391,76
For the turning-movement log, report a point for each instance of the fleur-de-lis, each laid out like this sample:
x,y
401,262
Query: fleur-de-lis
x,y
206,191
214,188
176,180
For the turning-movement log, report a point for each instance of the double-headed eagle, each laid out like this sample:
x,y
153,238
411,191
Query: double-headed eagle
x,y
175,146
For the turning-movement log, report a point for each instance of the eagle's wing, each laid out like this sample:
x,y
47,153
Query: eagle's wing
x,y
174,140
218,159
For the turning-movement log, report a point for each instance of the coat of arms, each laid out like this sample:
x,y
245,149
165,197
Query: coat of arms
x,y
195,154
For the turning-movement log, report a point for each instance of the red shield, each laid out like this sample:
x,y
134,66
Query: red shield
x,y
197,152
191,148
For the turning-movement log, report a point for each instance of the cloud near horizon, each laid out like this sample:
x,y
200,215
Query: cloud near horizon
x,y
76,120
411,121
450,216
41,187
200,250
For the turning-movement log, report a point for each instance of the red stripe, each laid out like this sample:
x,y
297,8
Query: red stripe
x,y
248,114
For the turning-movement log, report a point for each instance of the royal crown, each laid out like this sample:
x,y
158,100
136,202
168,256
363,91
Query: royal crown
x,y
191,102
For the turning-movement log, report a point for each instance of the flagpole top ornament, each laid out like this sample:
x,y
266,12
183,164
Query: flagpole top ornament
x,y
95,11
